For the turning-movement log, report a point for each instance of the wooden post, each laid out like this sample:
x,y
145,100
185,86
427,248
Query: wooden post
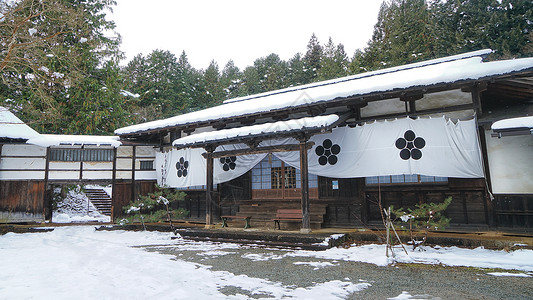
x,y
304,180
113,184
133,159
209,189
81,165
46,171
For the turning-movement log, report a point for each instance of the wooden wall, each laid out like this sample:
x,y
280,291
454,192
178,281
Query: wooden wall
x,y
468,207
22,201
123,194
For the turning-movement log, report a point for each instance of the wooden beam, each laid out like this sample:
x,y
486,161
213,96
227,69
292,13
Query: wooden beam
x,y
418,113
267,149
476,99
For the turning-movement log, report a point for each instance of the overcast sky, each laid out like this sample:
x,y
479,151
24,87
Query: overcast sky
x,y
242,30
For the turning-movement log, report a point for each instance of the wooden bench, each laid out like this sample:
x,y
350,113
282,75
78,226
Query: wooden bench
x,y
226,218
289,215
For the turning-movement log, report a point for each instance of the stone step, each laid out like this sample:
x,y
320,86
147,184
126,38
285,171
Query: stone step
x,y
100,199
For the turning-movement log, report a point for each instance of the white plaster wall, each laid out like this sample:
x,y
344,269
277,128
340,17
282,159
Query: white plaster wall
x,y
63,175
23,150
510,164
19,163
22,162
144,151
96,175
21,175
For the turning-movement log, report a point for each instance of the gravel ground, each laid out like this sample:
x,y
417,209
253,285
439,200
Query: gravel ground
x,y
421,281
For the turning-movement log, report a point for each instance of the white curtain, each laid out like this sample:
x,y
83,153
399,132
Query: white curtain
x,y
187,167
433,147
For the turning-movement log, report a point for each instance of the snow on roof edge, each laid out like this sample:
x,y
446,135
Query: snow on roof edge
x,y
13,128
47,140
521,122
253,130
482,53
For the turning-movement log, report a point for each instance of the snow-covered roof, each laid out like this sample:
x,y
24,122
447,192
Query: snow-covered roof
x,y
441,71
271,129
47,140
513,123
481,53
12,127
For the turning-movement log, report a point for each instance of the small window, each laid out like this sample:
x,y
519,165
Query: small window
x,y
147,164
404,179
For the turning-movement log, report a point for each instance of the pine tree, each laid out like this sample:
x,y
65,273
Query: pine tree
x,y
231,80
312,58
504,26
297,74
334,62
61,65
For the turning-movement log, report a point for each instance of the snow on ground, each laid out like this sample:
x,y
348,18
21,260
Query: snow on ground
x,y
79,262
450,256
76,207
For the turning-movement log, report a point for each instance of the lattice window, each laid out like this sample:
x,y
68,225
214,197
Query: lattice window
x,y
404,179
81,155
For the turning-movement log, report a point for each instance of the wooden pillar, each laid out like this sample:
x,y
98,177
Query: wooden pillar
x,y
304,179
490,215
81,163
46,171
113,184
209,188
133,159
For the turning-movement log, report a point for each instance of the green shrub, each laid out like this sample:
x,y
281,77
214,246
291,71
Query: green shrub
x,y
424,218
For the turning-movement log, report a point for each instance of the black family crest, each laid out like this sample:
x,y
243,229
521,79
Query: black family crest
x,y
228,163
182,166
327,152
410,145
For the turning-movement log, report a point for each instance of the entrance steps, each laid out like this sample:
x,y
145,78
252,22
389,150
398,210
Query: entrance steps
x,y
100,199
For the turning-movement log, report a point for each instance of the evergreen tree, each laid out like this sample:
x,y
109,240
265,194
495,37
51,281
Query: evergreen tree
x,y
214,90
231,80
334,62
403,34
312,58
297,71
504,26
272,72
59,65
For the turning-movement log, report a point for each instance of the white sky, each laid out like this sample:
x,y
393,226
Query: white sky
x,y
242,30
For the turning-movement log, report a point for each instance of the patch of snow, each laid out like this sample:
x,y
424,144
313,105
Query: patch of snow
x,y
129,94
522,122
76,208
506,274
32,31
83,40
450,256
316,264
